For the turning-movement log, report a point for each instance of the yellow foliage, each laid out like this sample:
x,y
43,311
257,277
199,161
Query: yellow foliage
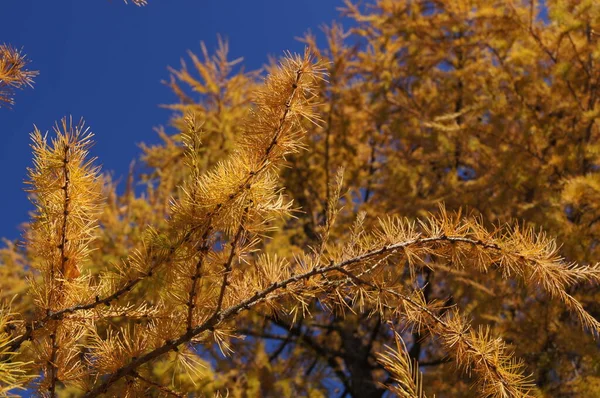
x,y
286,220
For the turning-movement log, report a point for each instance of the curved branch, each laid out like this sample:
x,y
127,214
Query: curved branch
x,y
256,299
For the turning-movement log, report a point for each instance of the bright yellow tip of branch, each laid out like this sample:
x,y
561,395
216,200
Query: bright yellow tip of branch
x,y
13,73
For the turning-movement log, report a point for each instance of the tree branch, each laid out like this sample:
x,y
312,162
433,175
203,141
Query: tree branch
x,y
261,296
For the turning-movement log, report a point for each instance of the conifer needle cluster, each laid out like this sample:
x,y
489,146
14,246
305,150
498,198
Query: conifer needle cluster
x,y
13,73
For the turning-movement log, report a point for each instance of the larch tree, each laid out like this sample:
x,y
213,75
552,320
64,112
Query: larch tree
x,y
409,208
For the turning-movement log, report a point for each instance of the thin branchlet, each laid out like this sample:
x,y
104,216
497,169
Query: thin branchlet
x,y
227,266
65,192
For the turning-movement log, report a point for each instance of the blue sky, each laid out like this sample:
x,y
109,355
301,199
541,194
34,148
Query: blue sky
x,y
104,60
